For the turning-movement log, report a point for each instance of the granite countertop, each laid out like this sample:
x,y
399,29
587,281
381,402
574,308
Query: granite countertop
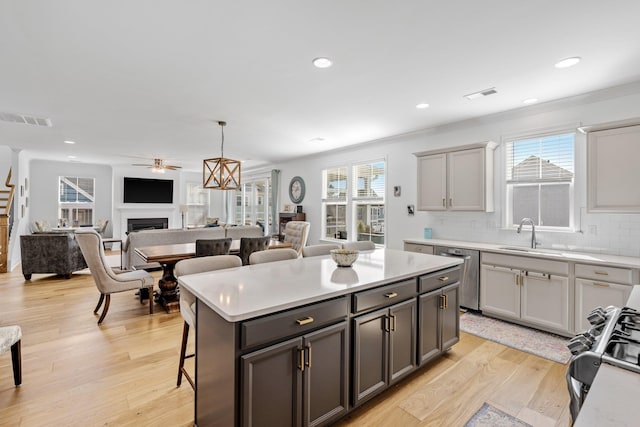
x,y
245,292
560,255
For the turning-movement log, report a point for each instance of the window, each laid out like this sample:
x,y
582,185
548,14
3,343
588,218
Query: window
x,y
363,190
76,200
252,203
334,203
539,178
368,201
197,204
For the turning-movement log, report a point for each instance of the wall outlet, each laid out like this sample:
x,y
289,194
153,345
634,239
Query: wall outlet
x,y
593,229
397,190
410,210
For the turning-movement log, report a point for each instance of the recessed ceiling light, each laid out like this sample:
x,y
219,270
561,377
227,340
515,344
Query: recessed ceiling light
x,y
316,139
71,157
422,106
568,62
530,101
322,62
69,142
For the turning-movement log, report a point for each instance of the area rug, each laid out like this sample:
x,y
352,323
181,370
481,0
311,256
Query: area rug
x,y
543,344
490,416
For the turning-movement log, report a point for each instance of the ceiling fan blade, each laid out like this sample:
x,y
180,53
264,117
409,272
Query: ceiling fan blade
x,y
172,167
142,164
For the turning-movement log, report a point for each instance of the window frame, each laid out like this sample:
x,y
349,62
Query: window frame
x,y
509,185
352,201
76,205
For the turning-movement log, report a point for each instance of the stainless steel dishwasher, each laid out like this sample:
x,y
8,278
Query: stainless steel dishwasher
x,y
470,281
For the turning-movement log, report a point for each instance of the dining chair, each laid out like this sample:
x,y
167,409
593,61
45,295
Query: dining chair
x,y
366,245
110,280
188,300
296,233
209,247
249,245
272,255
322,249
102,226
11,338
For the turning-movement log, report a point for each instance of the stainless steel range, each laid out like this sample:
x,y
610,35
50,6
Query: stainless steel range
x,y
614,338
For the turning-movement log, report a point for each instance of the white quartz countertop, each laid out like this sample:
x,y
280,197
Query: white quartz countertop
x,y
589,258
242,293
613,397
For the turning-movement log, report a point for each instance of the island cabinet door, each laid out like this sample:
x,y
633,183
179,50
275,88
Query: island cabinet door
x,y
430,330
450,311
370,355
272,385
326,375
402,339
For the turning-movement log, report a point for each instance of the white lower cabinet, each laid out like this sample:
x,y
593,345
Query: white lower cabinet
x,y
591,294
518,292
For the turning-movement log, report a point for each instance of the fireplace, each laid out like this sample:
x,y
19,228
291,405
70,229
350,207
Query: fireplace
x,y
135,224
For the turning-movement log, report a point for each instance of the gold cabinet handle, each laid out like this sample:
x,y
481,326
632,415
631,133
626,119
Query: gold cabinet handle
x,y
446,301
450,202
444,203
442,302
601,273
301,359
443,278
304,320
390,295
393,322
308,361
603,285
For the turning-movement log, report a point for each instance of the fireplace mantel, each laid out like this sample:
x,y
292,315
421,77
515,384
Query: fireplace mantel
x,y
125,212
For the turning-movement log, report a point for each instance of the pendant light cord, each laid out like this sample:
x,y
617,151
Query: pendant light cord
x,y
222,125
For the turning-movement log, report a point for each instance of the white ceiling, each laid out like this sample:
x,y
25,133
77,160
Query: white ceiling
x,y
132,80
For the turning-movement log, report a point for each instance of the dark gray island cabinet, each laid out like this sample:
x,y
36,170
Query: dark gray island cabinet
x,y
302,342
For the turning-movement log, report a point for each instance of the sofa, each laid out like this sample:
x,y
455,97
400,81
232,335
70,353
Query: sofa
x,y
138,239
50,253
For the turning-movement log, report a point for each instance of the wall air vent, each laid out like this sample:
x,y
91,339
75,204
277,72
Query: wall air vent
x,y
485,92
25,119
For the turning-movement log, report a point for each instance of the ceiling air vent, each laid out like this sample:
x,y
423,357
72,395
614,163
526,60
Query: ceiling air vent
x,y
25,119
485,92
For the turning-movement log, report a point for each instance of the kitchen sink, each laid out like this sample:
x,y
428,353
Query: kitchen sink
x,y
508,248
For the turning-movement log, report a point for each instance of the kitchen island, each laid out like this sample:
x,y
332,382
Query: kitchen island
x,y
302,342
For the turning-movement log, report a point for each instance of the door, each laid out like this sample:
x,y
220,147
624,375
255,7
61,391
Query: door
x,y
326,374
402,339
545,300
591,294
450,316
370,355
500,291
272,385
466,180
432,182
430,329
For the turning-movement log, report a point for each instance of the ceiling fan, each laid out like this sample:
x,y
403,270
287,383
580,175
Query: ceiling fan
x,y
158,166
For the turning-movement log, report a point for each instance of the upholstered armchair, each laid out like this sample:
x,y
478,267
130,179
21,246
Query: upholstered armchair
x,y
272,255
317,250
10,338
296,233
50,253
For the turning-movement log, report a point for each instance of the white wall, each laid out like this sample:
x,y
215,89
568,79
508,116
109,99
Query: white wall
x,y
43,188
614,234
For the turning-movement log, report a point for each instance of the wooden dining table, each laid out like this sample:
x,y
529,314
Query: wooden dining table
x,y
168,255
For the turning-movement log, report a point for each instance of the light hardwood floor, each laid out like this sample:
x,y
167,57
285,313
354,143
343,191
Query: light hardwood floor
x,y
123,373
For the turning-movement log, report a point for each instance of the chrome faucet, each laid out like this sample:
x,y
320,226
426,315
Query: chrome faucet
x,y
533,230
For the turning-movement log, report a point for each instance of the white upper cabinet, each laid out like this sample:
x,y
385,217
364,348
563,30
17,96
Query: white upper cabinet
x,y
612,170
456,179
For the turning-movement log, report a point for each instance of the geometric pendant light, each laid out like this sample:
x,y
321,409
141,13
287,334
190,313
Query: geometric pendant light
x,y
220,173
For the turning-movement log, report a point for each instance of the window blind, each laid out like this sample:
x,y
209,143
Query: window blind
x,y
335,184
368,180
540,159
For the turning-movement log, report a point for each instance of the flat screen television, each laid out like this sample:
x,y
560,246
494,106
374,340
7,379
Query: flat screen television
x,y
146,190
